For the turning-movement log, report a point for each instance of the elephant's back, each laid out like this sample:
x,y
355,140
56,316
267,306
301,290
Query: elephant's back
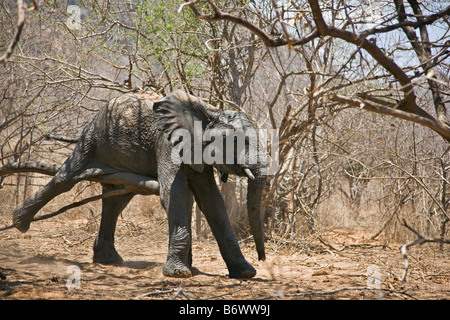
x,y
127,134
127,112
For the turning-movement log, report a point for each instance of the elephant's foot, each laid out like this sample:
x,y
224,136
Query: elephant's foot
x,y
242,270
179,258
22,218
107,256
176,269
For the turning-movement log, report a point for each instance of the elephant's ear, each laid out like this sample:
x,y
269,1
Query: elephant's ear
x,y
166,118
182,111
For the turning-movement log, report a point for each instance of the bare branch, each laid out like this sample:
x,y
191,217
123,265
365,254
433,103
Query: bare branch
x,y
438,126
268,40
376,53
60,138
407,109
424,20
28,166
22,9
136,183
423,52
322,293
419,241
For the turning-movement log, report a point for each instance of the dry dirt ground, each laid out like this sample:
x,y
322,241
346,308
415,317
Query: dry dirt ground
x,y
35,265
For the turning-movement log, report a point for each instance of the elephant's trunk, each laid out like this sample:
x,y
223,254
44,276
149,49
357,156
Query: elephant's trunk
x,y
255,216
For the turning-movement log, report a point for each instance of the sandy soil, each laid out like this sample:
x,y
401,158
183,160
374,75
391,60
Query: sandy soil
x,y
35,265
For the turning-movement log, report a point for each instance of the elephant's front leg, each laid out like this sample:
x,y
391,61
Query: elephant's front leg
x,y
208,197
177,200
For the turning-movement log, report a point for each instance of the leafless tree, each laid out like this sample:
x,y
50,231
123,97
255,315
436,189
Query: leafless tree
x,y
387,57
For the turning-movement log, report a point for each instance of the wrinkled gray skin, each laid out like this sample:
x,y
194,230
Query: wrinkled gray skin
x,y
128,143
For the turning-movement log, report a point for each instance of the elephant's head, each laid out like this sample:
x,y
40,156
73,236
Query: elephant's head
x,y
227,140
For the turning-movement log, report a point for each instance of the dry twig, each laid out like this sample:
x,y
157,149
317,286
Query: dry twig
x,y
419,241
154,293
147,186
21,9
322,293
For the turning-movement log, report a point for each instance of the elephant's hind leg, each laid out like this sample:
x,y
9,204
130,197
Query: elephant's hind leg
x,y
24,213
74,169
104,249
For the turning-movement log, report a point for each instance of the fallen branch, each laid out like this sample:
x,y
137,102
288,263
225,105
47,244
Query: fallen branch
x,y
419,241
177,293
226,294
362,245
321,293
28,166
352,245
136,183
155,293
50,136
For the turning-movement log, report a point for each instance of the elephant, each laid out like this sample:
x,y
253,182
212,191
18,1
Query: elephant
x,y
130,142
